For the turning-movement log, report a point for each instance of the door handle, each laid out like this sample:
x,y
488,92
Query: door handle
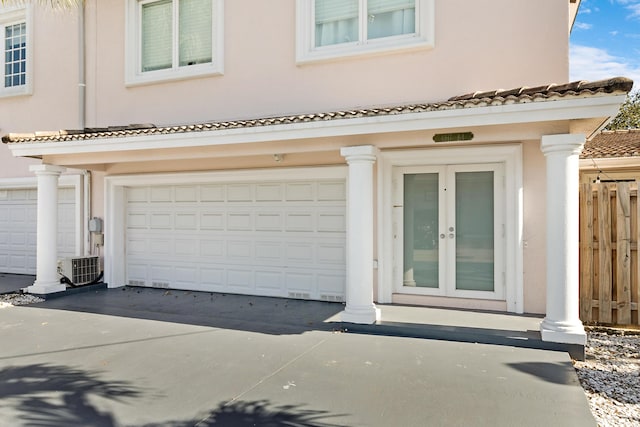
x,y
451,235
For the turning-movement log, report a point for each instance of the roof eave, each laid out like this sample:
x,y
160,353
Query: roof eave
x,y
559,109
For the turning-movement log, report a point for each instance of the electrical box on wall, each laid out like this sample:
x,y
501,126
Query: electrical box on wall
x,y
95,225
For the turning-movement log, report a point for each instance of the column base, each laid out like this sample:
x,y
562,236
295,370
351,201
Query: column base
x,y
46,288
365,316
566,333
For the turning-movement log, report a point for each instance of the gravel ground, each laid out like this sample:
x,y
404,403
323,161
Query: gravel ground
x,y
8,300
610,376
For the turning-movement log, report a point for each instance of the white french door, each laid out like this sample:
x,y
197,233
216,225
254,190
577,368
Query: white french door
x,y
449,230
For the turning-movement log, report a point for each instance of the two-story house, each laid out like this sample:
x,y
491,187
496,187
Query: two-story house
x,y
394,151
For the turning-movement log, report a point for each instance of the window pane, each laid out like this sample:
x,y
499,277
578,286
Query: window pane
x,y
421,259
15,63
474,231
387,18
156,35
195,29
336,21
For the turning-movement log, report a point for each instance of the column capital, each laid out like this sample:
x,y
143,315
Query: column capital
x,y
569,143
47,169
366,153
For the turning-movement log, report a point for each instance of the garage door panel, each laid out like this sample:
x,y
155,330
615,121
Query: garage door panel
x,y
239,221
18,238
240,192
299,221
269,192
161,194
332,222
268,252
211,248
265,238
269,221
332,191
270,281
300,191
239,279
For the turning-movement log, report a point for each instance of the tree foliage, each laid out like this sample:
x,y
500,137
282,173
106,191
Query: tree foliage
x,y
629,115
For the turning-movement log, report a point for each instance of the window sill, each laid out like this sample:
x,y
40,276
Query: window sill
x,y
153,77
15,92
331,53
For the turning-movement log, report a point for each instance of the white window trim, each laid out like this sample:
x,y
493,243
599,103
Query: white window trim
x,y
306,52
135,77
9,16
510,156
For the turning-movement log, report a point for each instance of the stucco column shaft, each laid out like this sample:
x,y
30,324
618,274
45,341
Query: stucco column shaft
x,y
359,292
562,321
47,280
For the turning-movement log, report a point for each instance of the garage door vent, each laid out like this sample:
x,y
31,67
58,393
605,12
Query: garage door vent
x,y
79,270
331,298
299,295
137,283
163,285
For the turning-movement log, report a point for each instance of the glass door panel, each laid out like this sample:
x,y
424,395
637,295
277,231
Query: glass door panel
x,y
421,225
474,231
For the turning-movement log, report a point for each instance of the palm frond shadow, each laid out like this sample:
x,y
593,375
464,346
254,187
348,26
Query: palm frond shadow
x,y
56,395
259,413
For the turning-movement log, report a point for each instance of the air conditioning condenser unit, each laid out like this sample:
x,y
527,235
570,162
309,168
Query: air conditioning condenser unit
x,y
80,270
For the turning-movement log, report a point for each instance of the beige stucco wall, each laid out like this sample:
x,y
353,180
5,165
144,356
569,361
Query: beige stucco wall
x,y
53,103
479,45
534,229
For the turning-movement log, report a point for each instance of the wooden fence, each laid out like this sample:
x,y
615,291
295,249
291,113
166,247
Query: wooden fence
x,y
609,267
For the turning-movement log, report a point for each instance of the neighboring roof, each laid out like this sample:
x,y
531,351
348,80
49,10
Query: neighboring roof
x,y
613,144
521,95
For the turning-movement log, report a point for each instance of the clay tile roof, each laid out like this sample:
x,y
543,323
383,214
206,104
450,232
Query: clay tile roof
x,y
471,100
613,144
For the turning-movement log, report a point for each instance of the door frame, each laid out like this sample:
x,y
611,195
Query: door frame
x,y
446,213
388,251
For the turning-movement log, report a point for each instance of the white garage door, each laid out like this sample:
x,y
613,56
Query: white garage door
x,y
281,238
18,213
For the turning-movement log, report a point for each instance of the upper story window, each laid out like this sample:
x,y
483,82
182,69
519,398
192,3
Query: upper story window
x,y
15,51
328,29
173,39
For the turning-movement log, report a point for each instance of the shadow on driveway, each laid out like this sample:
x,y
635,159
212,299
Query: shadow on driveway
x,y
60,396
275,316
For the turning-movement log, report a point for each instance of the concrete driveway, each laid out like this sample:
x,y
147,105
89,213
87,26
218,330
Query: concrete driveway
x,y
131,357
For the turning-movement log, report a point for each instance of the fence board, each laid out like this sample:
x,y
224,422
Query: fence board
x,y
623,253
586,252
604,254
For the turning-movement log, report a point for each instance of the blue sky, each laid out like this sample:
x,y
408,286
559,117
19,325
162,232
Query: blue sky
x,y
605,41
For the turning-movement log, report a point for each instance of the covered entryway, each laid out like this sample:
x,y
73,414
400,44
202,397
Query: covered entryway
x,y
18,228
279,236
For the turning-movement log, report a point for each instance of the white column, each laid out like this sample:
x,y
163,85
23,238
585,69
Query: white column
x,y
359,292
562,322
47,280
